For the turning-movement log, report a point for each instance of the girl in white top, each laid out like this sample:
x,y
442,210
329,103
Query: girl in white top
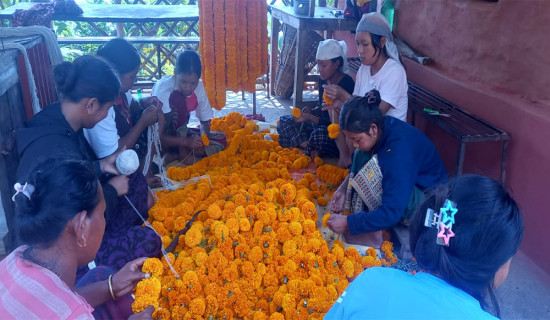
x,y
380,69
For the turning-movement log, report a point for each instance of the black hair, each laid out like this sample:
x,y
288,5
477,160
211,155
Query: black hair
x,y
376,41
122,54
189,62
359,113
335,60
488,229
87,77
62,188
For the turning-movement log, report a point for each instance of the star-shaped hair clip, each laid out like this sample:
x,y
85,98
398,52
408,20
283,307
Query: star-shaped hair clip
x,y
443,221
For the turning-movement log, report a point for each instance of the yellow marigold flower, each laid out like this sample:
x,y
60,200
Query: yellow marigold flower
x,y
288,193
256,255
295,228
161,313
322,201
221,232
289,248
333,130
296,113
233,226
197,306
154,267
289,302
200,258
214,211
327,99
309,210
240,212
244,224
309,226
325,219
276,316
147,293
193,237
205,140
348,267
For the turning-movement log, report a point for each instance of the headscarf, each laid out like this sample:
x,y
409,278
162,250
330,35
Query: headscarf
x,y
376,23
330,49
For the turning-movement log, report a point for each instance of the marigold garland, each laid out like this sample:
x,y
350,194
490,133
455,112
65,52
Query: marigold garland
x,y
256,251
232,59
296,112
205,140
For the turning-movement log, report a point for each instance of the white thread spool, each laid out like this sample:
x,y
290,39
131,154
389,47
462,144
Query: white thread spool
x,y
127,162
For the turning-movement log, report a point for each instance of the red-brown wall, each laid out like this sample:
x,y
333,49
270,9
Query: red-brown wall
x,y
492,59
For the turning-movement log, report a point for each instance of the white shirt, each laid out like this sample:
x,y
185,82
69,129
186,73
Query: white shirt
x,y
390,81
103,137
164,88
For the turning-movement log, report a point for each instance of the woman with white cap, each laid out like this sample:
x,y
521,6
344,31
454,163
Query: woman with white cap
x,y
309,131
381,68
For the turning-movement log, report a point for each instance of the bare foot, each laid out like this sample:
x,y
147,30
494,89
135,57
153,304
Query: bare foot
x,y
371,239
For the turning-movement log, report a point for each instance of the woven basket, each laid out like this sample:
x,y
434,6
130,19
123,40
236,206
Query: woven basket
x,y
284,80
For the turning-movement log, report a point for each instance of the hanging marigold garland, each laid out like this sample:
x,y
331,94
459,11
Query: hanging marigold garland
x,y
233,46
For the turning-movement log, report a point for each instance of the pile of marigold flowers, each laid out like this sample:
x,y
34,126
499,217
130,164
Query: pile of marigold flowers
x,y
256,251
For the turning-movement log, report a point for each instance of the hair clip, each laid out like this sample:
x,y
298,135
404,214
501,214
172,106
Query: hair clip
x,y
26,189
371,97
443,220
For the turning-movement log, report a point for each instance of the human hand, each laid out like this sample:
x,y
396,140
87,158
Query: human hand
x,y
108,164
150,101
146,314
120,183
149,116
338,223
192,142
337,202
334,92
126,278
306,117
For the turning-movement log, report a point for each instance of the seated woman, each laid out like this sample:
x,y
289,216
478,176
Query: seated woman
x,y
464,256
309,132
392,165
180,95
60,222
380,70
127,122
89,87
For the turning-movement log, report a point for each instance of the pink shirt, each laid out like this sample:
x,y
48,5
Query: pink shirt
x,y
29,291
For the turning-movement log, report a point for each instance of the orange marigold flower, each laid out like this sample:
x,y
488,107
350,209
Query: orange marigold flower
x,y
221,232
147,294
153,266
327,99
197,306
325,219
288,193
296,112
193,237
233,226
205,140
290,248
295,228
322,201
276,316
244,224
214,211
348,268
333,130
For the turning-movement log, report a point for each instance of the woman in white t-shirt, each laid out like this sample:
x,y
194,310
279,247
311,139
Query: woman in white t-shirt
x,y
180,95
381,68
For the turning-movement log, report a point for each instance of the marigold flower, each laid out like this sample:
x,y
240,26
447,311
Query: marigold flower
x,y
147,293
325,219
295,228
214,211
296,112
153,266
333,130
205,140
326,99
197,306
193,237
322,201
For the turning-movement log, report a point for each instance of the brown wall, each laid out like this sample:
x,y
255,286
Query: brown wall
x,y
492,59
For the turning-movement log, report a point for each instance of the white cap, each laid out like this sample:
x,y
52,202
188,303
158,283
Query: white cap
x,y
330,49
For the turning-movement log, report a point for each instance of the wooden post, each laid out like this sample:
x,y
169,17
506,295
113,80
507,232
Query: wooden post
x,y
311,8
274,54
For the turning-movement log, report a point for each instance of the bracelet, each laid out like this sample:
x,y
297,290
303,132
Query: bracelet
x,y
111,287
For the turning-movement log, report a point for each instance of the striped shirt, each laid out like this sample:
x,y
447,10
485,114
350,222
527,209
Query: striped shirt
x,y
29,291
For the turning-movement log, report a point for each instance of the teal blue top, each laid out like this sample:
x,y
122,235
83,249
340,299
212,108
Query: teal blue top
x,y
387,293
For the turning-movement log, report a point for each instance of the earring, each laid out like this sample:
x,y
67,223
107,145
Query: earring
x,y
78,242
